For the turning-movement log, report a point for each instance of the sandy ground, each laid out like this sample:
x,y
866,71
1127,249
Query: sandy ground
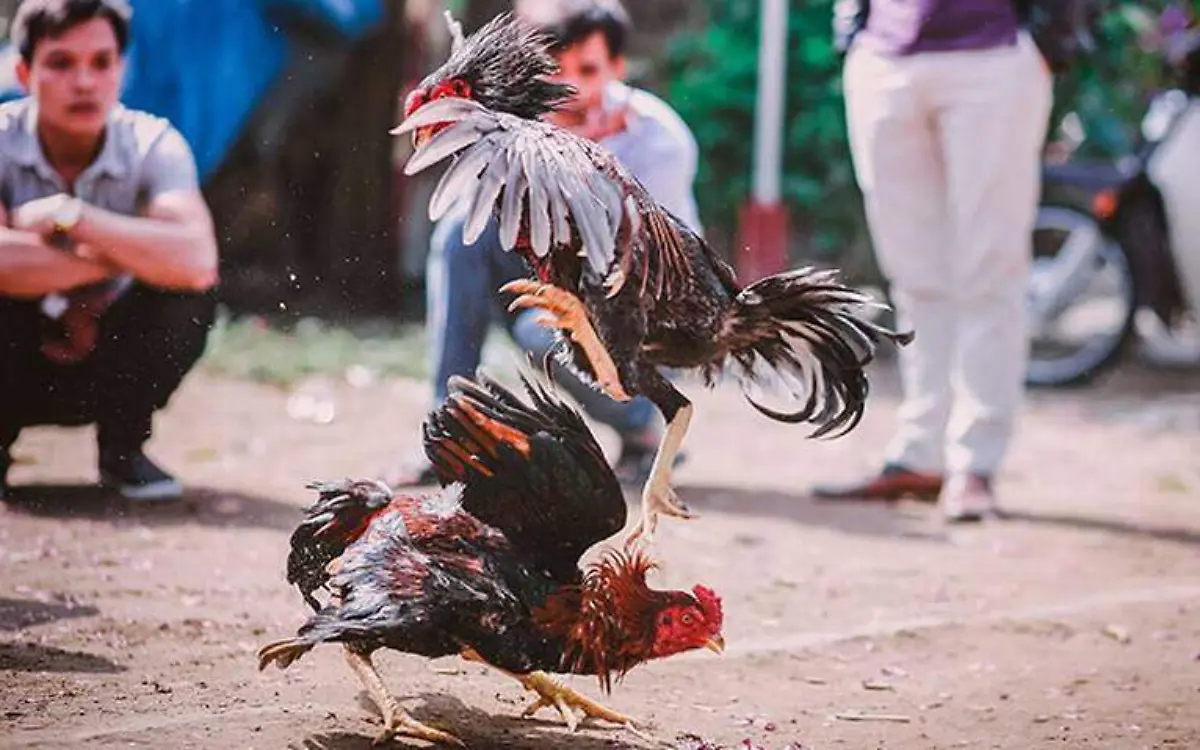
x,y
1076,623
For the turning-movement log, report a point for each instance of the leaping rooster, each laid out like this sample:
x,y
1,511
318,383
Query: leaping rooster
x,y
630,286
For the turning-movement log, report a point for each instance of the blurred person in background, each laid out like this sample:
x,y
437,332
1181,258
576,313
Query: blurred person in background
x,y
107,249
947,105
647,137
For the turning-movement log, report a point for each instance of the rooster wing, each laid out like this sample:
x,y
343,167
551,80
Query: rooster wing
x,y
570,195
536,472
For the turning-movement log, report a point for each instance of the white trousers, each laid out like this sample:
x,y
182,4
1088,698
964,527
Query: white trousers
x,y
947,149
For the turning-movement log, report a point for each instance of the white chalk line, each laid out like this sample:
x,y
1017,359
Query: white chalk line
x,y
783,644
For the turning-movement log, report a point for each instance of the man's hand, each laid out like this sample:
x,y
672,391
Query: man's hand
x,y
48,216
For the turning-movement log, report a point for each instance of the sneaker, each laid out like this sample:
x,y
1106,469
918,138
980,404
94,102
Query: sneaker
x,y
968,499
136,477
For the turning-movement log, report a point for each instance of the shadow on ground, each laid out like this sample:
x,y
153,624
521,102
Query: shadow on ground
x,y
1113,526
17,614
905,519
199,506
33,657
908,519
478,728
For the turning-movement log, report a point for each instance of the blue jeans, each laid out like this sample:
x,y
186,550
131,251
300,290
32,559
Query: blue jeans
x,y
461,283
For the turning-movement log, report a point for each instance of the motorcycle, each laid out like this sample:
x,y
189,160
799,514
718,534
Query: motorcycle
x,y
1117,245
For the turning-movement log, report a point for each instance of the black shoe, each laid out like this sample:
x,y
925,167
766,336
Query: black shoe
x,y
137,477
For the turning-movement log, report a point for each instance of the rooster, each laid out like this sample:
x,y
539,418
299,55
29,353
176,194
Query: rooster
x,y
488,567
629,285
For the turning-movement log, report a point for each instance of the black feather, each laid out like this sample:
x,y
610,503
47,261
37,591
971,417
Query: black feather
x,y
506,63
332,523
803,325
553,503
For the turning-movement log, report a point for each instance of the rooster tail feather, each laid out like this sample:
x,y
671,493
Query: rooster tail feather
x,y
806,334
282,653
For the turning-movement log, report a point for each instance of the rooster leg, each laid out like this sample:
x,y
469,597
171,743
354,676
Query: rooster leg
x,y
566,311
395,719
657,496
552,693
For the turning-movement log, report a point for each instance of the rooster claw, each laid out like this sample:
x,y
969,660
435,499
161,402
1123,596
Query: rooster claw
x,y
657,500
406,726
552,693
565,311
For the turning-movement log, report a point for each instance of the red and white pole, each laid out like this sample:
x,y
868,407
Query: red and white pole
x,y
762,230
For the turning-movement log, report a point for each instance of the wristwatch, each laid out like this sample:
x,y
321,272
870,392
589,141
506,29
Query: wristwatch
x,y
67,215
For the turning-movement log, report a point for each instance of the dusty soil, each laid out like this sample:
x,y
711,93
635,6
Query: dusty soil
x,y
1076,623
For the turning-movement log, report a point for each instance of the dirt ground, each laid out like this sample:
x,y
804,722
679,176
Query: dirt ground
x,y
1075,623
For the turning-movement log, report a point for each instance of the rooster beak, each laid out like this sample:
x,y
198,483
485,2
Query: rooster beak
x,y
420,137
715,644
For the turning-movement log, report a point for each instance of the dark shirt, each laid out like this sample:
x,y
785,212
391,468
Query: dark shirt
x,y
903,27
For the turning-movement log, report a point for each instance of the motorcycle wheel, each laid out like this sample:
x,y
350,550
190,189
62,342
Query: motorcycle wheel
x,y
1080,279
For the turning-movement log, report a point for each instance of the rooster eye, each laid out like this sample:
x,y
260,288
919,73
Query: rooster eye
x,y
687,618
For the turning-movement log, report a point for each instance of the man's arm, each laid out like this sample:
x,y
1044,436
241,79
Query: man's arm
x,y
29,268
172,246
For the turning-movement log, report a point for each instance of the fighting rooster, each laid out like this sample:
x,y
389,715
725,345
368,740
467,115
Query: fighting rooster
x,y
488,567
632,288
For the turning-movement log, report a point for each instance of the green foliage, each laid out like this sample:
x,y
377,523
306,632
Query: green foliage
x,y
712,82
253,348
711,74
1109,89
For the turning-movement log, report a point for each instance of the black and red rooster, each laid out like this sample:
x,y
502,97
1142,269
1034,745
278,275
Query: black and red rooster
x,y
488,567
630,285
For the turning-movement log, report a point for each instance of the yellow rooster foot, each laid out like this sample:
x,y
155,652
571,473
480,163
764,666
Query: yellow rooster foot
x,y
552,693
565,311
398,722
658,498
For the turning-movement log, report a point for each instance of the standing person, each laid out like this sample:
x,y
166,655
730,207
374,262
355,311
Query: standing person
x,y
107,248
947,105
647,136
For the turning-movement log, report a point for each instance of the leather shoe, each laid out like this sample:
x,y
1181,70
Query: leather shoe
x,y
892,483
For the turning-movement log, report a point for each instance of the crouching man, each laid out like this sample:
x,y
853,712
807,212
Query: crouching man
x,y
107,249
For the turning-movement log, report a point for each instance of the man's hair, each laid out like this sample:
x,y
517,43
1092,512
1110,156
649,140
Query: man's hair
x,y
38,19
568,22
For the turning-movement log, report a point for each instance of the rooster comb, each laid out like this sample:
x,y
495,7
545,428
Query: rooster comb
x,y
710,605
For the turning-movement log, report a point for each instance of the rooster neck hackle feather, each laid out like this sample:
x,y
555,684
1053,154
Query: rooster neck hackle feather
x,y
609,618
506,63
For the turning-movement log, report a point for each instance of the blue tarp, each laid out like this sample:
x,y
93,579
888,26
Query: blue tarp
x,y
206,64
